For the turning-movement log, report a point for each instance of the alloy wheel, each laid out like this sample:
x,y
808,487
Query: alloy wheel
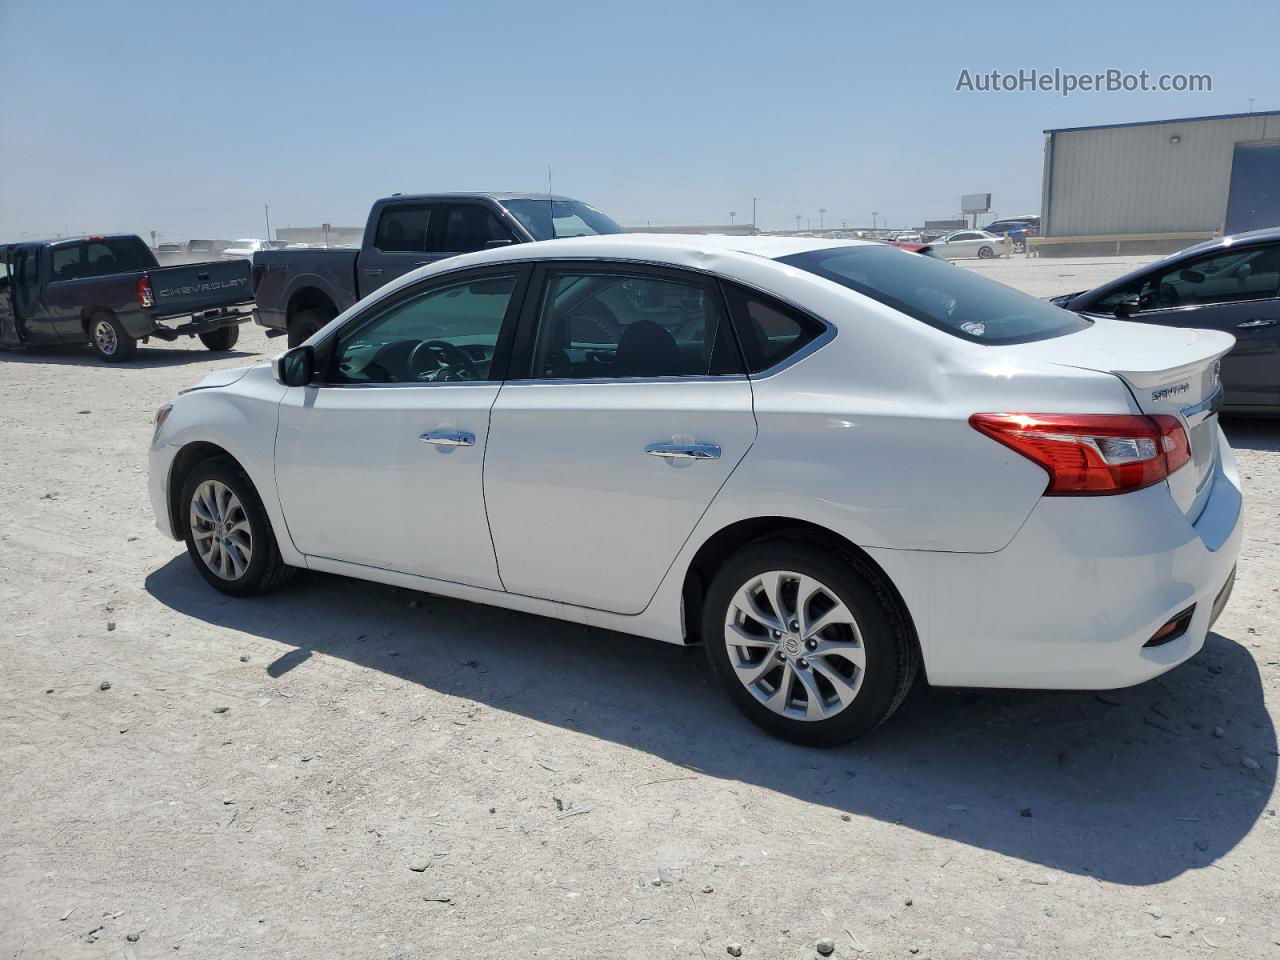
x,y
220,530
104,336
795,645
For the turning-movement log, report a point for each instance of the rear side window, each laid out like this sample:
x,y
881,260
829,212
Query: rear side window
x,y
470,226
769,331
946,297
404,228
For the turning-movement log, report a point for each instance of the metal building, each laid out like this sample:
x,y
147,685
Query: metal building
x,y
1159,185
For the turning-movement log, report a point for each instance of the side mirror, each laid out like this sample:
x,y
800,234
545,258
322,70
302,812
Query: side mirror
x,y
296,367
490,244
1129,306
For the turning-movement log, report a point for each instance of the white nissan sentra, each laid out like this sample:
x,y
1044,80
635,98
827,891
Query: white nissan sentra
x,y
832,464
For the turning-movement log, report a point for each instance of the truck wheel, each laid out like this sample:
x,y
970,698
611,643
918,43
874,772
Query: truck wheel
x,y
306,323
110,340
224,338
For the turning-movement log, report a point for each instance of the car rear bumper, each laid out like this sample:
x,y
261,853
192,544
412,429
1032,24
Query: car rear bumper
x,y
1071,602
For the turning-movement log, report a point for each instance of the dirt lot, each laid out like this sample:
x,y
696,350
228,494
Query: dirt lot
x,y
349,770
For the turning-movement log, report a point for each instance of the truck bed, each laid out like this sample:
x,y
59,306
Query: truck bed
x,y
276,272
192,287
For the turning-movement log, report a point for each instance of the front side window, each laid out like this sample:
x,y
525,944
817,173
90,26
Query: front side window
x,y
548,219
404,228
469,227
597,325
1225,276
446,334
959,302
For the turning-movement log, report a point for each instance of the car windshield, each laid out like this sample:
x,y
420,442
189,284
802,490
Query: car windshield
x,y
949,298
547,219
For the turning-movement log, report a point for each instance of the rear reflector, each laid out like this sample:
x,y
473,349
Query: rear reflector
x,y
1172,630
1092,454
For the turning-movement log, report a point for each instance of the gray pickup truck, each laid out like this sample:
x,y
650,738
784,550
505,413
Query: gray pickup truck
x,y
299,291
111,293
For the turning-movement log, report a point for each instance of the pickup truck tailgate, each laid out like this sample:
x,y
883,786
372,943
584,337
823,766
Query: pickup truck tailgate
x,y
190,287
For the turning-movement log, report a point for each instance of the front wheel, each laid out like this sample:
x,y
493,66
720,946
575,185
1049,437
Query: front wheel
x,y
227,531
985,253
109,339
807,641
224,338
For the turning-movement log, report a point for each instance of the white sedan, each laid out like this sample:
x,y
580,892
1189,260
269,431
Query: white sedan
x,y
963,244
244,248
833,464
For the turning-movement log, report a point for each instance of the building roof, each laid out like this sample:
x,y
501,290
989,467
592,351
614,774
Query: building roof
x,y
1150,123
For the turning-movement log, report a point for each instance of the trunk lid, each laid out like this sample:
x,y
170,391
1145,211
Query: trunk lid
x,y
1168,370
190,287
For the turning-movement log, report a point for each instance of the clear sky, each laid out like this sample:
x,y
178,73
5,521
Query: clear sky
x,y
186,118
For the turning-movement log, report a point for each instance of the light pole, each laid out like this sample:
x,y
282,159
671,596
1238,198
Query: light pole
x,y
798,218
732,214
822,213
874,214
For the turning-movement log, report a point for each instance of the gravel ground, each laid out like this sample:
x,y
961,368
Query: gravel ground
x,y
350,770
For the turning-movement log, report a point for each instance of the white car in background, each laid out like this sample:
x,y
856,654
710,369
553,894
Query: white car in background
x,y
245,248
832,463
964,244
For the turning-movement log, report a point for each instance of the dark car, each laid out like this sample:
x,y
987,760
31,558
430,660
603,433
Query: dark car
x,y
299,291
110,292
1017,229
1230,284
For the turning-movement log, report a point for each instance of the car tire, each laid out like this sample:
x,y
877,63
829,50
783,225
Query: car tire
x,y
227,531
109,339
829,698
985,253
224,338
305,323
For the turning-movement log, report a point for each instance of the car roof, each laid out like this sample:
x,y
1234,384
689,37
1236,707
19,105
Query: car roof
x,y
481,195
675,248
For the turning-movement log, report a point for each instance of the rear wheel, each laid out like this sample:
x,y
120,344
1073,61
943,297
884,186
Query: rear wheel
x,y
807,641
224,338
986,253
227,531
306,322
109,339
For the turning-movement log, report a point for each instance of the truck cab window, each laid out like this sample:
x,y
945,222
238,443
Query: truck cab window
x,y
404,228
468,227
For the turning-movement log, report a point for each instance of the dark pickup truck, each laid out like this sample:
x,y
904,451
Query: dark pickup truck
x,y
299,291
110,292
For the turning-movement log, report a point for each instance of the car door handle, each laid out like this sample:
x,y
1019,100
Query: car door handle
x,y
1250,324
449,438
684,451
373,271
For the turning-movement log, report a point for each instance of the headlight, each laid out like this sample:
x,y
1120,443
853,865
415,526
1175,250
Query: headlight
x,y
161,416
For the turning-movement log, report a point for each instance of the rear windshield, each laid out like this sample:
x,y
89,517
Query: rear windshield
x,y
550,219
951,298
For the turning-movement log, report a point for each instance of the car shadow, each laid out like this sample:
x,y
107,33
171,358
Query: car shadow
x,y
1252,433
1131,787
145,359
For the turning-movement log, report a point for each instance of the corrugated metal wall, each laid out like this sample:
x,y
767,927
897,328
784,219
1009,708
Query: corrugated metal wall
x,y
1113,180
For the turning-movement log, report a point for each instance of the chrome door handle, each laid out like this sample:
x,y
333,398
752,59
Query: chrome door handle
x,y
449,438
1256,323
684,451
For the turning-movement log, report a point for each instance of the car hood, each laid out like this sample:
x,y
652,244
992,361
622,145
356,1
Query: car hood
x,y
221,378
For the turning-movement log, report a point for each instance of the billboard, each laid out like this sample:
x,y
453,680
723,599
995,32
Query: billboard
x,y
975,202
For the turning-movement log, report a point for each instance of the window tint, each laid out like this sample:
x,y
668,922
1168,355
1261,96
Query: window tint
x,y
446,334
768,331
100,257
956,301
607,325
468,227
1225,276
404,228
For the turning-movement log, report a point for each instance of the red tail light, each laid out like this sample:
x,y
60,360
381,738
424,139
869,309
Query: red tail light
x,y
145,297
1092,454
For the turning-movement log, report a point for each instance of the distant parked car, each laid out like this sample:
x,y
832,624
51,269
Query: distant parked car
x,y
245,249
908,236
961,244
1230,284
1016,230
202,247
169,248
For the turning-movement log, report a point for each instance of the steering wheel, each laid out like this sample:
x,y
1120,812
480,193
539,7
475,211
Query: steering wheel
x,y
445,360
